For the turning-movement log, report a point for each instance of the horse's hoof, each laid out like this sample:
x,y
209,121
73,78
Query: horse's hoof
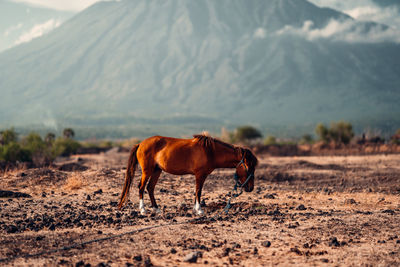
x,y
198,212
143,212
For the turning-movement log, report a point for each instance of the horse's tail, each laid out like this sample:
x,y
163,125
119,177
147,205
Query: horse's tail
x,y
130,173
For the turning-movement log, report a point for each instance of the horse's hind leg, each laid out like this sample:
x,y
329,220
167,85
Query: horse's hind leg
x,y
145,177
150,188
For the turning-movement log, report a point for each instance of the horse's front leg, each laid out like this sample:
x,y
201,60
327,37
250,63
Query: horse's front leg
x,y
199,186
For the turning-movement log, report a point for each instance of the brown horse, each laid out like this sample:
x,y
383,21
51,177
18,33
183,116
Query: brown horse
x,y
198,156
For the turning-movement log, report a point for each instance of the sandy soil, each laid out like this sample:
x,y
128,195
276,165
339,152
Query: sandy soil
x,y
334,211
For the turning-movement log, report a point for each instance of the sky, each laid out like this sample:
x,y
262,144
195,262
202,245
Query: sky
x,y
359,9
65,5
17,32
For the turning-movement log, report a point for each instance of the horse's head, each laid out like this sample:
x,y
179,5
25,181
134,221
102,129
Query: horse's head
x,y
245,169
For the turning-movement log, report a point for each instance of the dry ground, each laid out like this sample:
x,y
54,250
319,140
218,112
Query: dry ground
x,y
334,211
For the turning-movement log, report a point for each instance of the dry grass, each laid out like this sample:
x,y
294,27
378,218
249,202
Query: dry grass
x,y
75,181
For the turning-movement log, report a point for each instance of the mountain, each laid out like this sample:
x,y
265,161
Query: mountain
x,y
20,22
274,62
386,3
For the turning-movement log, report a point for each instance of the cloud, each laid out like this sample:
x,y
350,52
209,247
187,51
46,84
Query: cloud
x,y
364,10
37,31
11,29
68,5
346,31
260,33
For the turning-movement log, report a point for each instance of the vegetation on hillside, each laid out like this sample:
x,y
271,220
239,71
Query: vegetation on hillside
x,y
35,149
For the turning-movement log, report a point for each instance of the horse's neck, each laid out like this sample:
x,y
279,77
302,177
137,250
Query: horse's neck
x,y
225,157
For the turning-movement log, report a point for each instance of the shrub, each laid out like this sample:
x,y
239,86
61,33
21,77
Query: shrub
x,y
39,151
247,133
322,132
13,152
8,136
270,140
68,133
49,139
339,132
306,139
64,147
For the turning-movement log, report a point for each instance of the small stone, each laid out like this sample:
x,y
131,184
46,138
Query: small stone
x,y
266,244
138,258
100,191
269,196
333,242
193,256
226,252
12,229
255,251
301,207
350,201
173,251
88,197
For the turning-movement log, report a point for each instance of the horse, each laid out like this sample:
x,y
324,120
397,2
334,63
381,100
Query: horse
x,y
199,156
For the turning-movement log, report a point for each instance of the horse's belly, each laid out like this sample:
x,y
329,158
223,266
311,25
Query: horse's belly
x,y
174,164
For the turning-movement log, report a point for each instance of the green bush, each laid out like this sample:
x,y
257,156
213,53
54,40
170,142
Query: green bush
x,y
64,147
339,132
13,152
8,136
322,132
306,139
39,150
247,133
68,133
270,140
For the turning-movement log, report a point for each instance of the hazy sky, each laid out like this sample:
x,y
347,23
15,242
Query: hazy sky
x,y
70,5
15,32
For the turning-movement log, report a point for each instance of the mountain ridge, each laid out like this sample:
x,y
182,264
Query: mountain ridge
x,y
152,59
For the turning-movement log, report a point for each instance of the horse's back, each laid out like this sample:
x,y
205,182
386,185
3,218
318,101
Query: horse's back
x,y
173,155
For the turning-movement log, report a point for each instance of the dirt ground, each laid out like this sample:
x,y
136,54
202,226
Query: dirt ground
x,y
306,211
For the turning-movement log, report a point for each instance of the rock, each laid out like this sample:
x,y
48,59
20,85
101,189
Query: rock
x,y
100,191
173,251
88,197
226,252
11,194
80,263
266,244
138,258
72,167
193,256
388,211
12,229
296,250
350,201
301,207
269,196
147,262
333,242
255,251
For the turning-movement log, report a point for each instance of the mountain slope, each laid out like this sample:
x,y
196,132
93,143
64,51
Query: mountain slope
x,y
235,61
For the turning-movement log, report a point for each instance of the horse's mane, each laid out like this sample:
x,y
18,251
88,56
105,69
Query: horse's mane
x,y
208,143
